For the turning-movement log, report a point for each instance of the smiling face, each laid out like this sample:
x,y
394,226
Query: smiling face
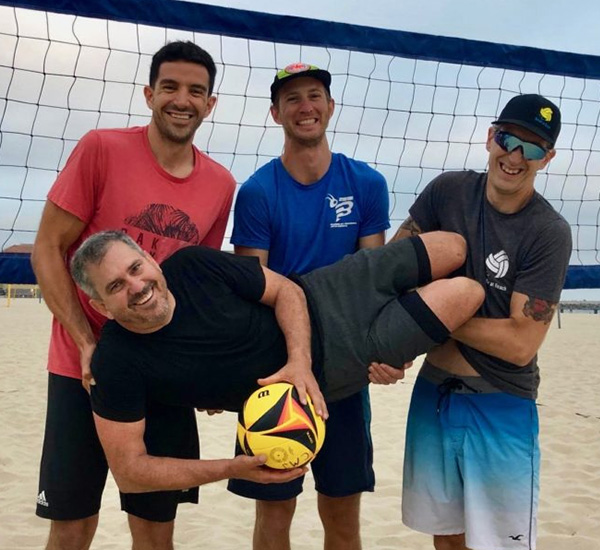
x,y
511,177
131,289
179,100
304,109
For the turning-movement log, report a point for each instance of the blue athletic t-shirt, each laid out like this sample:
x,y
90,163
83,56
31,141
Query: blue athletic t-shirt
x,y
308,226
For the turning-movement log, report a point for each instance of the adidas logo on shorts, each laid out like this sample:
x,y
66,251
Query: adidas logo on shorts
x,y
41,499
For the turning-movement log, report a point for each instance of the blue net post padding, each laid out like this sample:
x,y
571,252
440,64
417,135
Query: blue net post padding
x,y
582,276
16,268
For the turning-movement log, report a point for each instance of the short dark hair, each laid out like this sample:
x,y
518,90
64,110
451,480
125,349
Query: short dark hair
x,y
92,251
183,51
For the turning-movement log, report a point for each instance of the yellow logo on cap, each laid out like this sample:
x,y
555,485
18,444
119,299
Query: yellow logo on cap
x,y
546,113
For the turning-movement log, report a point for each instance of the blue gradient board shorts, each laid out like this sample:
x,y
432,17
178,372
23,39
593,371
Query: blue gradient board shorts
x,y
471,462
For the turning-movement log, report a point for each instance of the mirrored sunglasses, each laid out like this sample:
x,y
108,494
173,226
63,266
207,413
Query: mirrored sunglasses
x,y
509,142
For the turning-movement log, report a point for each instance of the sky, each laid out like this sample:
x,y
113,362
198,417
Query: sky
x,y
381,132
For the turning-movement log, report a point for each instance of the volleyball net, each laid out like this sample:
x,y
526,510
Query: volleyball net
x,y
411,105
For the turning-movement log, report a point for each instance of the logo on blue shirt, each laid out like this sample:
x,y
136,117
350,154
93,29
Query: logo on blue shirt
x,y
343,207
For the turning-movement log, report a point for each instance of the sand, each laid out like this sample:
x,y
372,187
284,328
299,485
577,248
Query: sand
x,y
569,516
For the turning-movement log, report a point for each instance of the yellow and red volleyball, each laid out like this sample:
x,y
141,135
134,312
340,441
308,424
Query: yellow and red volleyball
x,y
275,423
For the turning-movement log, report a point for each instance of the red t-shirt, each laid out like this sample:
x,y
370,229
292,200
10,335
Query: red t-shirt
x,y
113,181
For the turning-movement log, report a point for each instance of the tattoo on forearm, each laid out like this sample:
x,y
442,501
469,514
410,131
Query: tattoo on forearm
x,y
539,310
409,225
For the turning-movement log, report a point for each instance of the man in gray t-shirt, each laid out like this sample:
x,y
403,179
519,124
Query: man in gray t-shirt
x,y
471,468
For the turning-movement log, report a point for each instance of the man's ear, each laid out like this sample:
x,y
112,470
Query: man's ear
x,y
490,138
210,105
549,156
100,308
149,96
275,112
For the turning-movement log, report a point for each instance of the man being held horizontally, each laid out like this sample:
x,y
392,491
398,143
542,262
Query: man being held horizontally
x,y
153,183
471,469
304,210
210,326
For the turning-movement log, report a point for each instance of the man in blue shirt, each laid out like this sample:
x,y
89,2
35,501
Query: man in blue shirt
x,y
304,210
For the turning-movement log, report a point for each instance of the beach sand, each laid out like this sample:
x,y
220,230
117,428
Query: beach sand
x,y
569,406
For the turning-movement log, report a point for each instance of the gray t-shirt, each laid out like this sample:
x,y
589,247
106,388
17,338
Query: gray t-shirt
x,y
526,252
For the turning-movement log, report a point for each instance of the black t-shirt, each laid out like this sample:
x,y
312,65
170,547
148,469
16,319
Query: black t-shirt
x,y
218,326
526,252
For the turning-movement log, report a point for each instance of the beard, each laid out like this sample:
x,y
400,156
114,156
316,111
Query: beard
x,y
147,319
176,135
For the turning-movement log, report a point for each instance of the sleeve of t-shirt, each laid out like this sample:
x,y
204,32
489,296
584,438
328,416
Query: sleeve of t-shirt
x,y
376,209
77,187
424,210
251,220
543,270
120,391
200,265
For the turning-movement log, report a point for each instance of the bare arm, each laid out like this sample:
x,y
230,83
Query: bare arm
x,y
135,471
57,232
515,339
408,228
289,302
372,241
263,255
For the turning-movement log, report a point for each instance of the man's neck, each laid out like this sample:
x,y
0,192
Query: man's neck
x,y
306,165
509,203
175,158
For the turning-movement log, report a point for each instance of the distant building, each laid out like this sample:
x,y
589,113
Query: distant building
x,y
575,306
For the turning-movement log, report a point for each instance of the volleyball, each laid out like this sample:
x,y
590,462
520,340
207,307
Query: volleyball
x,y
275,423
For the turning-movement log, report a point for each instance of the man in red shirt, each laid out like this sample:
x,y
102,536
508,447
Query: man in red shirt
x,y
154,184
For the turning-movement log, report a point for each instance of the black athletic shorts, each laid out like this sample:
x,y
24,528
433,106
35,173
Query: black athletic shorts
x,y
73,468
365,311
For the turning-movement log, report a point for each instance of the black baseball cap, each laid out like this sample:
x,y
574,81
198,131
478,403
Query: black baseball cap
x,y
297,70
534,112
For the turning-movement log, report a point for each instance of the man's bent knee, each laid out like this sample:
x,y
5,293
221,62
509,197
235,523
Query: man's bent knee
x,y
447,252
453,301
469,294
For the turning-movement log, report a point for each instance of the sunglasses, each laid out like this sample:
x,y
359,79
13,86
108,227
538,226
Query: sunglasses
x,y
509,142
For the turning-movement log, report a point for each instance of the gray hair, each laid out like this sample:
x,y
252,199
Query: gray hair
x,y
92,251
